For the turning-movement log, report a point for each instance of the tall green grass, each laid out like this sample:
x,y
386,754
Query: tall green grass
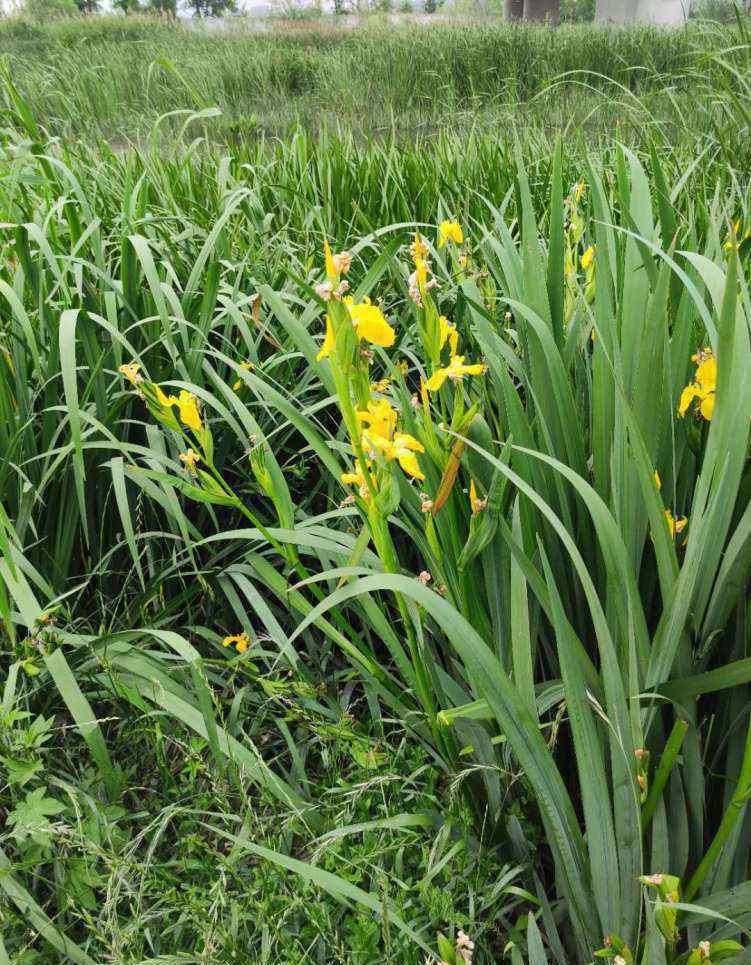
x,y
564,627
115,77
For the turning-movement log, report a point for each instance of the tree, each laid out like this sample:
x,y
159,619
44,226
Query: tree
x,y
513,9
127,6
549,10
164,8
211,8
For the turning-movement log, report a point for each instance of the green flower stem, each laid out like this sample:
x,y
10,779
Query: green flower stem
x,y
386,551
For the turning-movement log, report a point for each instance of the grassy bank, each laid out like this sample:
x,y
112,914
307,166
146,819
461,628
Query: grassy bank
x,y
115,77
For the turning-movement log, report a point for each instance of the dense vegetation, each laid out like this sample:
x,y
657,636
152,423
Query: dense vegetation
x,y
339,632
116,77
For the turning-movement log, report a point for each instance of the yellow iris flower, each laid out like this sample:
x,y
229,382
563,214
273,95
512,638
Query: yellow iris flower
x,y
380,436
240,640
455,370
187,406
675,525
369,323
450,231
188,409
588,257
331,269
130,371
402,448
703,388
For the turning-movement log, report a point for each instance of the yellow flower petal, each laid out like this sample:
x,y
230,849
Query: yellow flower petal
x,y
450,231
408,462
588,257
444,327
475,369
404,441
333,274
164,400
370,323
437,379
707,407
380,417
404,449
687,397
329,342
706,375
188,408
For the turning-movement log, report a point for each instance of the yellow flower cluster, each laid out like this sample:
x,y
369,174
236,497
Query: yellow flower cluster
x,y
702,390
371,419
419,287
381,438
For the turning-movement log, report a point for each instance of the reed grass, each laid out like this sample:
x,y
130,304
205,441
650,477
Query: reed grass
x,y
135,71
